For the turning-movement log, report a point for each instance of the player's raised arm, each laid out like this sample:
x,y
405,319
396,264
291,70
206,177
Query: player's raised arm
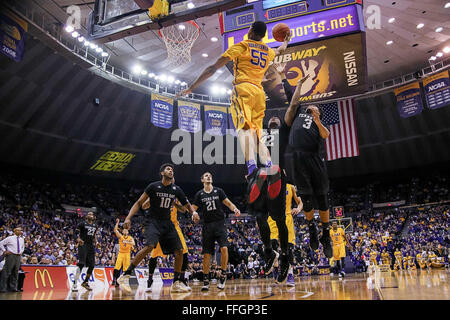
x,y
206,74
232,207
116,229
134,209
281,49
323,131
293,106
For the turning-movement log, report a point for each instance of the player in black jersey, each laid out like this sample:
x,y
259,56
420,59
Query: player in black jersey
x,y
86,250
159,227
307,142
208,202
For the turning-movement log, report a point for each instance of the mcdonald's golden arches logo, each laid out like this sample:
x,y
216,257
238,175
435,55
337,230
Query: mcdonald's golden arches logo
x,y
42,275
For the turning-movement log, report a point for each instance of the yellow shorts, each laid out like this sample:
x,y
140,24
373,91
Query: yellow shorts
x,y
157,252
248,107
339,251
123,261
289,224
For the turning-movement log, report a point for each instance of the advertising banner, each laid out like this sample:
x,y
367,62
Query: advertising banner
x,y
409,100
189,118
12,35
437,90
161,111
336,68
330,23
216,119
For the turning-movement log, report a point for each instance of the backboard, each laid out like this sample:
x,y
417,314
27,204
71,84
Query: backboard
x,y
116,19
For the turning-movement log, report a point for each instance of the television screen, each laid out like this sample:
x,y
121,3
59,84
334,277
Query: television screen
x,y
267,4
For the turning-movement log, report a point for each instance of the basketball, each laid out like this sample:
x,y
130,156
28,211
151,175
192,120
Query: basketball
x,y
280,31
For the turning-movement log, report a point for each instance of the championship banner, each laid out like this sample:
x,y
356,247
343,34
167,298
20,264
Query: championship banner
x,y
437,90
12,35
161,114
336,67
409,100
189,116
216,119
231,129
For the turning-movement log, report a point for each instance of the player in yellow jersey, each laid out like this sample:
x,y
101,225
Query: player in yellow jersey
x,y
157,252
421,261
398,264
291,193
339,241
251,60
126,244
385,257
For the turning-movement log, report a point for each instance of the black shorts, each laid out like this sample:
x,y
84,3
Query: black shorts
x,y
86,256
310,174
212,232
164,232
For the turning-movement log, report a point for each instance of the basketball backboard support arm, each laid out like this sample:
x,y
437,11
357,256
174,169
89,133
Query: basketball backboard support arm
x,y
102,29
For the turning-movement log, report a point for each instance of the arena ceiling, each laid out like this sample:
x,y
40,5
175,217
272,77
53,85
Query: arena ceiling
x,y
410,50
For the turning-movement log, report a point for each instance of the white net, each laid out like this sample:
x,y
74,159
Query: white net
x,y
179,40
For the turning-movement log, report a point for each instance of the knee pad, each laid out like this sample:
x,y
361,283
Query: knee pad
x,y
307,202
322,201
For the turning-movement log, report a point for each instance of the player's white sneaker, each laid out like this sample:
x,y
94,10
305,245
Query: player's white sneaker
x,y
179,286
124,282
149,286
221,284
186,285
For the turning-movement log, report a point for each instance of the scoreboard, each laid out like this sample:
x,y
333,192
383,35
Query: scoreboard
x,y
276,10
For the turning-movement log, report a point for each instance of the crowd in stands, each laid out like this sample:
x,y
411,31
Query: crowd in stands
x,y
50,232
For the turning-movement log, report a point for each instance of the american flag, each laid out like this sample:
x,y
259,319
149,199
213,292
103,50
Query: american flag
x,y
340,119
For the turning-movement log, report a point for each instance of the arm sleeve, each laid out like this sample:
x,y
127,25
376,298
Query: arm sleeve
x,y
235,51
181,196
287,90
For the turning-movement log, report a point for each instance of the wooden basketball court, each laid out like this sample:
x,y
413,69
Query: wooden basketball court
x,y
397,285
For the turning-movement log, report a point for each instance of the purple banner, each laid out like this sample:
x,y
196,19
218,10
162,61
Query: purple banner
x,y
161,111
12,35
325,24
409,100
166,276
437,90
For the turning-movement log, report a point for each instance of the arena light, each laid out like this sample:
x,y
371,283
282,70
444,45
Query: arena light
x,y
420,25
105,54
137,69
81,39
229,91
181,27
184,84
86,43
214,39
439,29
190,5
156,77
98,49
170,79
144,72
447,5
223,91
75,34
446,50
204,55
151,75
439,54
391,20
215,90
163,78
177,81
93,45
389,42
433,58
69,29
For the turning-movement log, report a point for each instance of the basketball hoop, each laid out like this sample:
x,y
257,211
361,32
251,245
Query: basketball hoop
x,y
179,40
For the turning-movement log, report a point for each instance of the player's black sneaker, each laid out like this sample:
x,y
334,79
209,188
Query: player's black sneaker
x,y
313,237
205,285
222,281
149,285
326,243
86,286
284,268
270,262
